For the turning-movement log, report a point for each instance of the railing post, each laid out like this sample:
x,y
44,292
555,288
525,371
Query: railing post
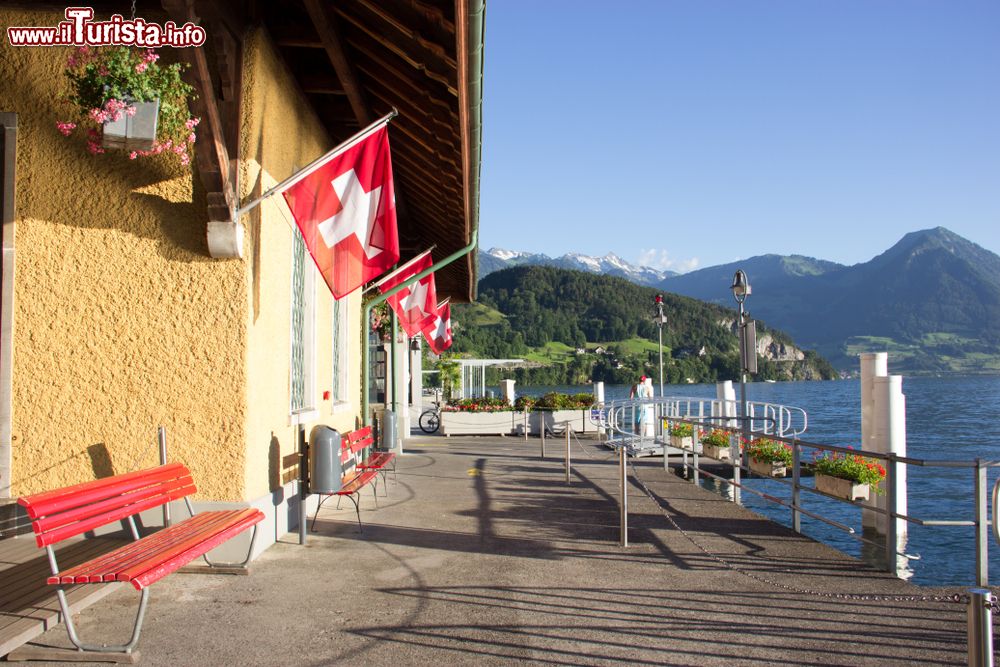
x,y
982,527
891,525
623,490
796,478
980,627
526,411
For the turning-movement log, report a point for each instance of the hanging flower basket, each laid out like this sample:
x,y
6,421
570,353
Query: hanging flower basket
x,y
127,101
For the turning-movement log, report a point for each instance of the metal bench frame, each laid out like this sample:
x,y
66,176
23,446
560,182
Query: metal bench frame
x,y
143,586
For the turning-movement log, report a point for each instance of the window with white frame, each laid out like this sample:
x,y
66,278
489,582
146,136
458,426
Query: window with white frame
x,y
302,380
341,343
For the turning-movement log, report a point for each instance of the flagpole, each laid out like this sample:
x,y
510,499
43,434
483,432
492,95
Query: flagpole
x,y
366,315
305,171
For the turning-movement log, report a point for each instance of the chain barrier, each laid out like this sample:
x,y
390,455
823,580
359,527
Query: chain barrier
x,y
959,598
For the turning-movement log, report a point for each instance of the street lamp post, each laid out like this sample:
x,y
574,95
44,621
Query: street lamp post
x,y
660,320
748,353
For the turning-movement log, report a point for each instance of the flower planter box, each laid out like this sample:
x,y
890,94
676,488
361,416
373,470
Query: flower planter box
x,y
841,488
682,441
717,453
136,132
768,469
503,422
554,420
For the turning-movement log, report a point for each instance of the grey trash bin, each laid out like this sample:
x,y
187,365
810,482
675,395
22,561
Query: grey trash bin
x,y
388,421
324,460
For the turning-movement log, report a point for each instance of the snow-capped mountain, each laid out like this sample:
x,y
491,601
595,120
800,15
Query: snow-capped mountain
x,y
495,259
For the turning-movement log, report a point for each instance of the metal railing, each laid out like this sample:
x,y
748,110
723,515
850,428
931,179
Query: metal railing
x,y
982,604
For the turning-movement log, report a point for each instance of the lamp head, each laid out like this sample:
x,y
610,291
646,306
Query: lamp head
x,y
741,286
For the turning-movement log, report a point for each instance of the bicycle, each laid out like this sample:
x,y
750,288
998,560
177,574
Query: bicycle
x,y
430,420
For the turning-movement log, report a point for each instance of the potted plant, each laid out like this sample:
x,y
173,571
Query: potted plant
x,y
768,458
848,476
128,101
715,445
681,435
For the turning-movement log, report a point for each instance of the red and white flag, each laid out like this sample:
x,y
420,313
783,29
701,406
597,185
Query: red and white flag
x,y
415,304
438,333
346,210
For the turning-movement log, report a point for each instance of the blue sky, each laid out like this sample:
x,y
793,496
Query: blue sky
x,y
687,133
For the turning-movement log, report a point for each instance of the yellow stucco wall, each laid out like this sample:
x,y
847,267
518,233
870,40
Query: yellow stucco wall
x,y
281,134
122,322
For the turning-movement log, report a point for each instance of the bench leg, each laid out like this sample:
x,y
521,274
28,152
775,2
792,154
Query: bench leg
x,y
319,506
253,541
357,509
67,618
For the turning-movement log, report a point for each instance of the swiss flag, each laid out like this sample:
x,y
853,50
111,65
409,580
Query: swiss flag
x,y
415,304
346,211
438,333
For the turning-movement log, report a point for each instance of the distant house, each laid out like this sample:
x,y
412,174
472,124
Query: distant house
x,y
600,349
580,351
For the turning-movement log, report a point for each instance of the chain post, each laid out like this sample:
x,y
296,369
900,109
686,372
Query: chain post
x,y
623,484
541,421
796,479
568,431
736,461
980,627
982,526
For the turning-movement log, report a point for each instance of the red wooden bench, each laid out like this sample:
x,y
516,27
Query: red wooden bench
x,y
362,439
75,510
356,471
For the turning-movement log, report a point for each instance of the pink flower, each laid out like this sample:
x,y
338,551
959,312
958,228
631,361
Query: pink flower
x,y
185,160
94,147
150,57
93,134
191,138
71,62
192,123
98,115
65,127
130,110
141,67
133,155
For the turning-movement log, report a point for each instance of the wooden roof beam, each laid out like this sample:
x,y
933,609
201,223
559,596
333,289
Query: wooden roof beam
x,y
326,27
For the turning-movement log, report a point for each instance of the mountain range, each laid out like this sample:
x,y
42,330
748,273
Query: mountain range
x,y
932,300
611,264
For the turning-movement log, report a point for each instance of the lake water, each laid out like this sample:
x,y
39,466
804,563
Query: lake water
x,y
948,418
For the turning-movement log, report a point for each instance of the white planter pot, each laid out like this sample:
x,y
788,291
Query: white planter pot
x,y
682,442
842,488
480,423
136,132
776,469
717,453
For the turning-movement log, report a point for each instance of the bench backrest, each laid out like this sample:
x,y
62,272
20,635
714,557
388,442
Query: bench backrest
x,y
74,510
352,445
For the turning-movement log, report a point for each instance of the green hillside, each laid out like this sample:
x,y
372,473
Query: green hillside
x,y
573,327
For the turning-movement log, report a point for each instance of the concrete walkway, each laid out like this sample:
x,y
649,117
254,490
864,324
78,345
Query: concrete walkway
x,y
481,554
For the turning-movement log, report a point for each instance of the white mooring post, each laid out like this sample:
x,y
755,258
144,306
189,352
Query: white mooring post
x,y
883,430
726,395
507,389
